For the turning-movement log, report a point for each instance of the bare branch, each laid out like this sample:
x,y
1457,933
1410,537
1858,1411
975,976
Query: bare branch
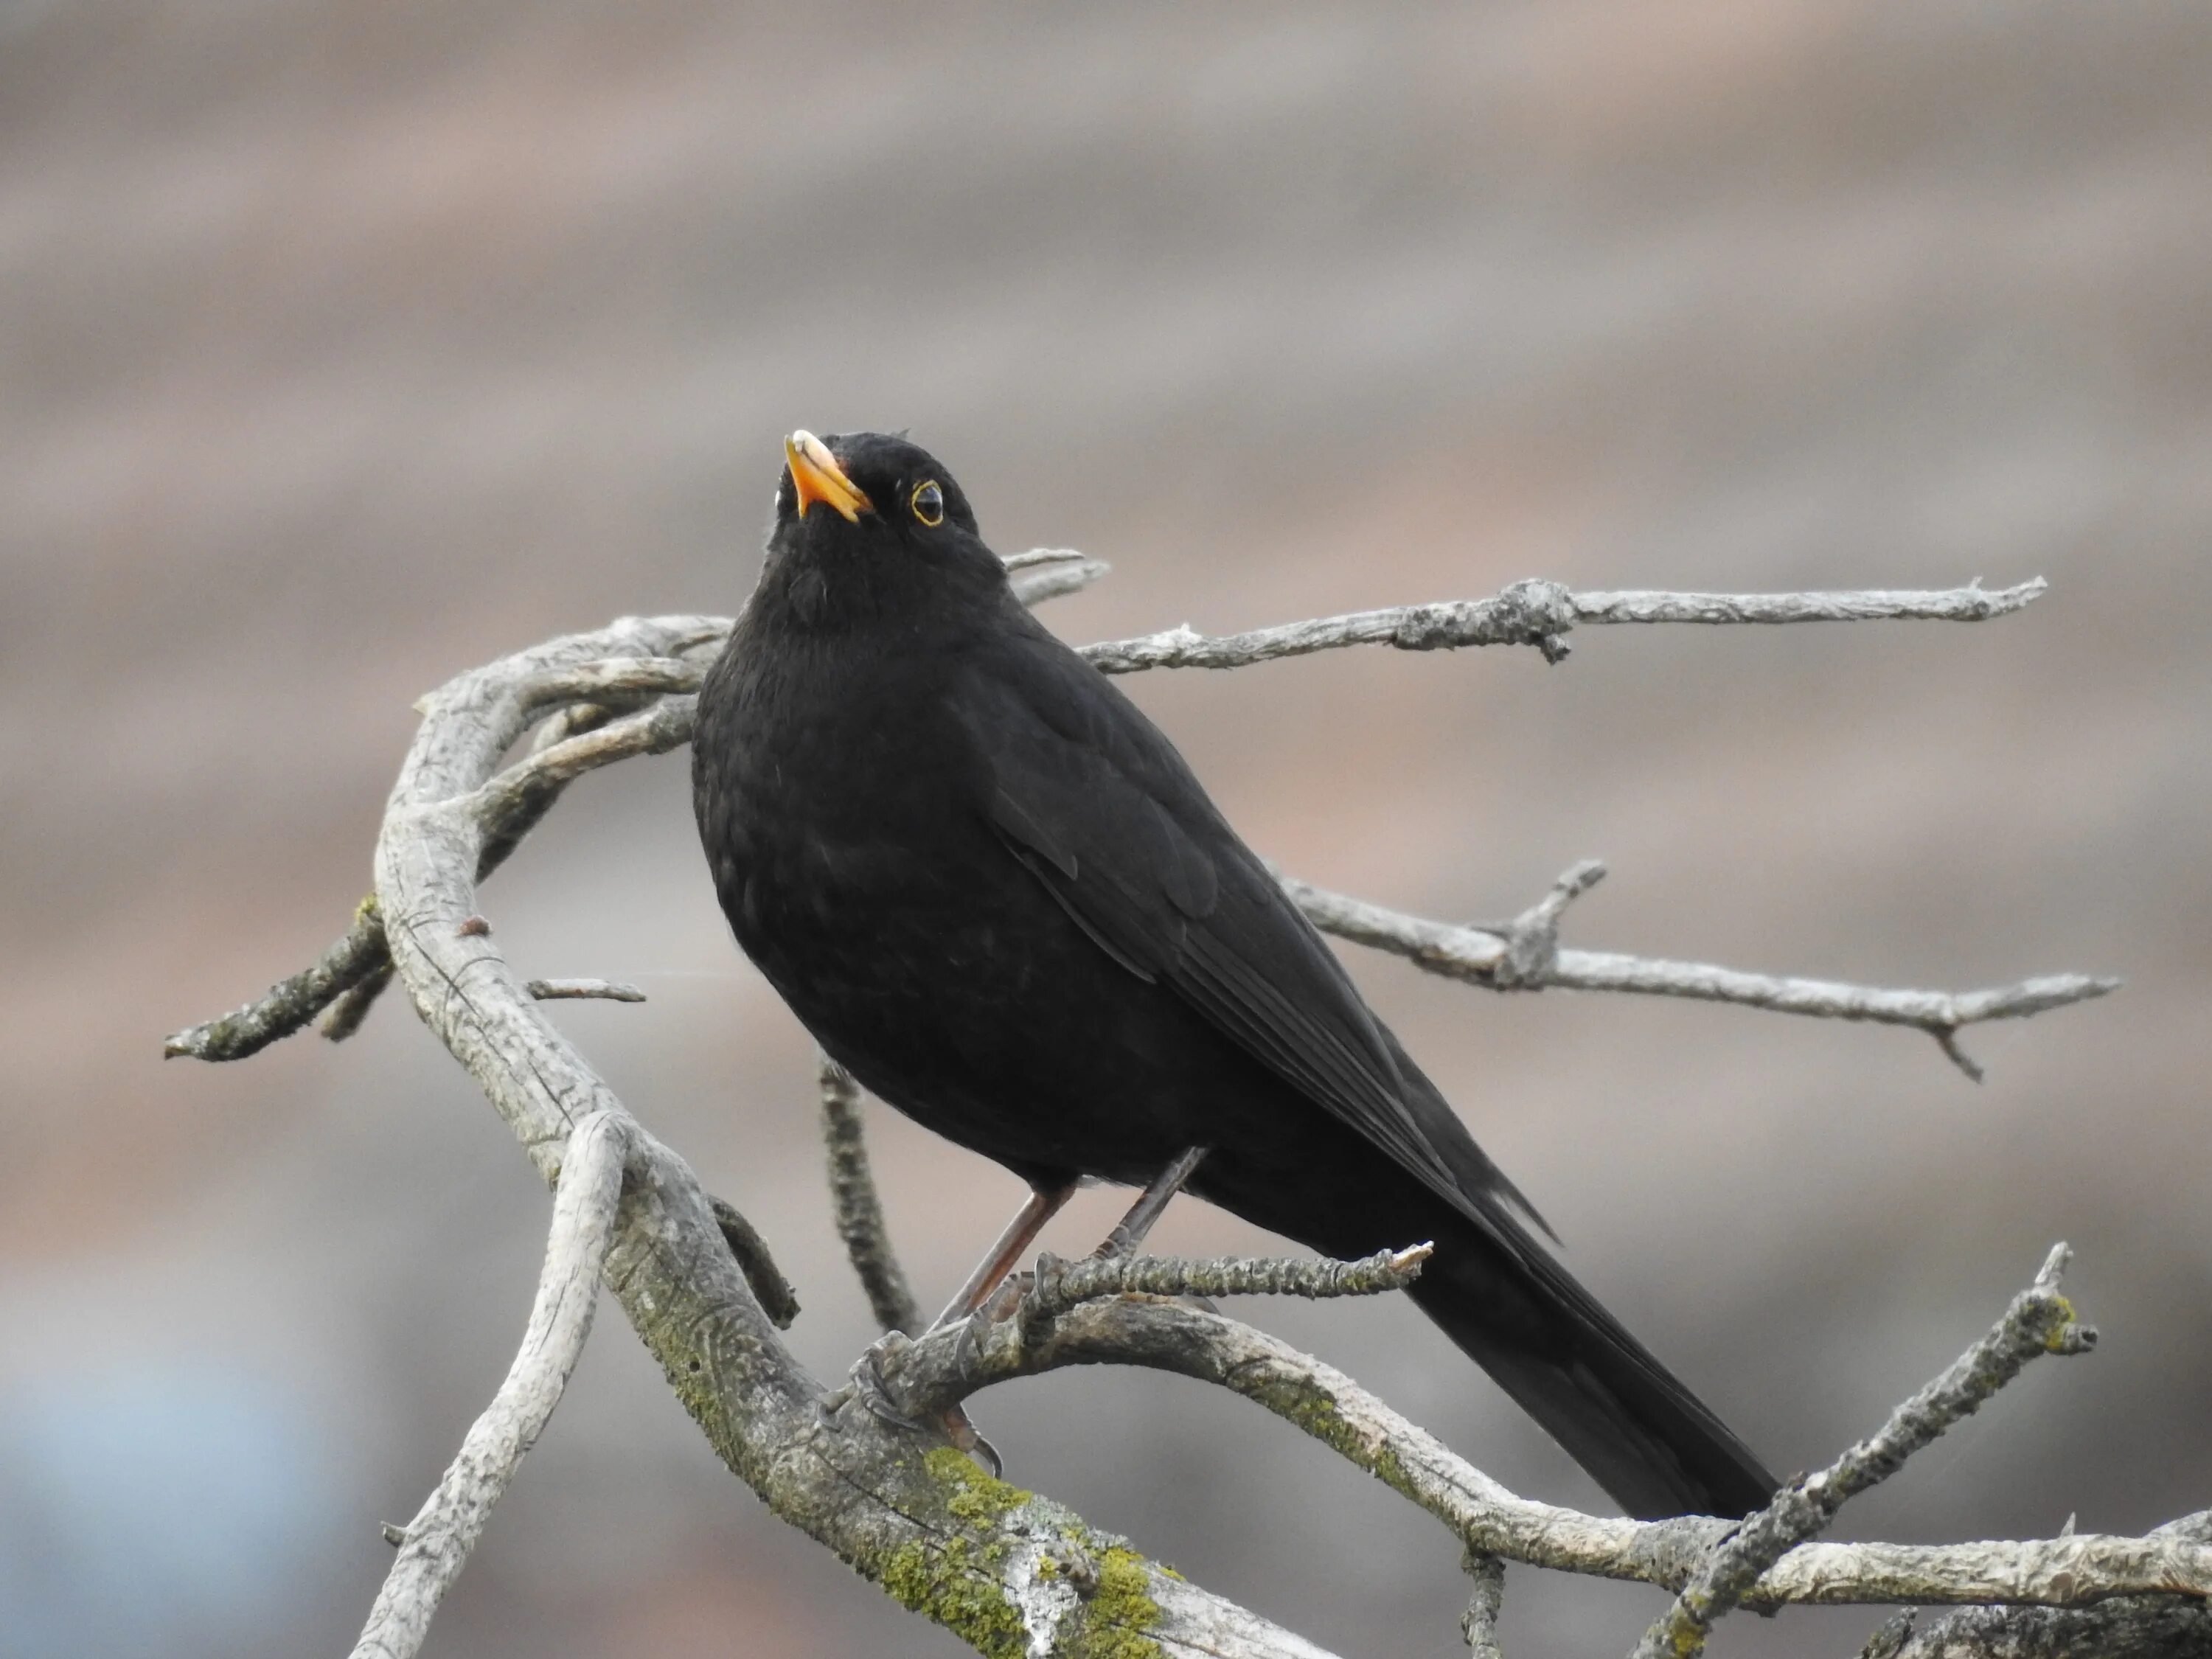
x,y
1540,614
945,1539
952,1364
778,1300
1485,1601
1059,1285
1515,957
2039,1321
596,701
928,1526
1532,939
606,990
2125,1627
1972,602
859,1210
290,1003
1047,573
440,1536
351,1005
1885,1641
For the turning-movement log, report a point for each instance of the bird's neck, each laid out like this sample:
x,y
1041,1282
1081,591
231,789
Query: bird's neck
x,y
845,594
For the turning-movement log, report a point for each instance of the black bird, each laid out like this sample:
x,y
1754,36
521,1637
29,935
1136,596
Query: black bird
x,y
990,887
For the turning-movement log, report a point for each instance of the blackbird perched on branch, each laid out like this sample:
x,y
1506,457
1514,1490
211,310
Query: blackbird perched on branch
x,y
991,889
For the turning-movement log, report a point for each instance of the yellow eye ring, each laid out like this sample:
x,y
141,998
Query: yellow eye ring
x,y
928,503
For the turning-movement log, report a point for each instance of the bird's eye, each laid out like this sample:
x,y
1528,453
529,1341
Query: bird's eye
x,y
929,503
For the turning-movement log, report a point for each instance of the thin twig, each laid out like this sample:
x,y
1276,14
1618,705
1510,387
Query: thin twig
x,y
1540,613
1497,959
290,1003
604,990
1050,573
1485,1601
2040,1321
440,1536
1060,1285
858,1209
1972,602
351,1005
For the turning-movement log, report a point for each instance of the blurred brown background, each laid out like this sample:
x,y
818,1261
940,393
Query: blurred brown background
x,y
344,345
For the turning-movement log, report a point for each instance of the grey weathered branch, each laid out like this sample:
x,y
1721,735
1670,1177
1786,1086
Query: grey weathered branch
x,y
1485,1603
1059,1285
854,1203
2039,1321
949,1365
436,1544
1048,573
289,1004
1006,1569
562,990
600,721
1525,955
907,1511
1541,613
2125,1627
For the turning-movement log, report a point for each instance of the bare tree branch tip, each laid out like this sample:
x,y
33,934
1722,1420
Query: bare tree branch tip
x,y
1045,555
2038,1321
604,990
1524,954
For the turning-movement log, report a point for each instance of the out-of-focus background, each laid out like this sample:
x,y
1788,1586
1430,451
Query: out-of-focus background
x,y
344,345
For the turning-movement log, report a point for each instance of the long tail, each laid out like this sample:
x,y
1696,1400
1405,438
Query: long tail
x,y
1571,1365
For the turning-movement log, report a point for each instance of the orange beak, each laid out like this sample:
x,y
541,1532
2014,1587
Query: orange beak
x,y
816,476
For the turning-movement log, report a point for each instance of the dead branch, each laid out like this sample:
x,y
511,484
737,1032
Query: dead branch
x,y
947,1366
2039,1321
903,1507
1538,613
852,1200
437,1541
1525,955
1486,1604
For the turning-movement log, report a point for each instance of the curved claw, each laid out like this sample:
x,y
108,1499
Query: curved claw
x,y
965,1435
867,1383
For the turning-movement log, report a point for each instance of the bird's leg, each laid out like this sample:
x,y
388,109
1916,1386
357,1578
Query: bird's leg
x,y
1042,1203
1130,1230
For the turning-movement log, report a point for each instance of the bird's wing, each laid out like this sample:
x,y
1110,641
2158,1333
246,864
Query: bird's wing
x,y
1095,801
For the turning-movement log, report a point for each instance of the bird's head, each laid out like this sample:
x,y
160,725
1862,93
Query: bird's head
x,y
864,497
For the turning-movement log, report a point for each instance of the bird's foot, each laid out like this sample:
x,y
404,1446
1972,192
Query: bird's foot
x,y
1005,1302
869,1383
872,1385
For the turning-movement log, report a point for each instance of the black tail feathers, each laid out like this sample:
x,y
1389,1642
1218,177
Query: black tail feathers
x,y
1571,1365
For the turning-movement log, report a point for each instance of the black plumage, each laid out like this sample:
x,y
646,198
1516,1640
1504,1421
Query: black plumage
x,y
991,888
